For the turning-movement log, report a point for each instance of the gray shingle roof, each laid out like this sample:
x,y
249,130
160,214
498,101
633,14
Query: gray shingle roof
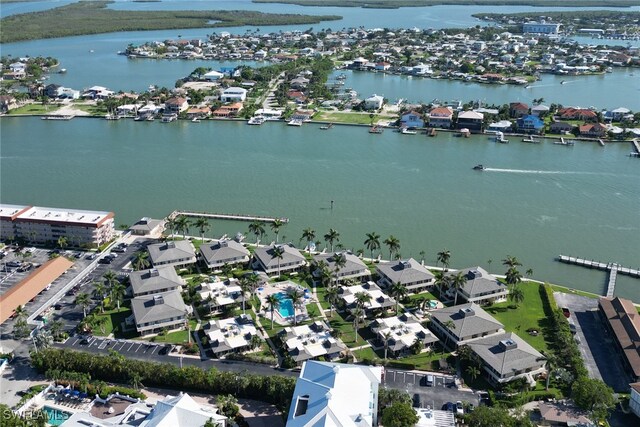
x,y
153,308
146,224
506,353
353,265
154,279
223,250
476,322
479,282
290,255
171,251
405,271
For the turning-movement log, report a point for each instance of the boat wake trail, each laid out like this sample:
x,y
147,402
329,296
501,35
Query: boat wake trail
x,y
541,172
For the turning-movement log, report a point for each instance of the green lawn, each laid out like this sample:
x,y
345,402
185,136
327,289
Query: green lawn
x,y
176,337
34,109
357,118
529,314
414,299
114,318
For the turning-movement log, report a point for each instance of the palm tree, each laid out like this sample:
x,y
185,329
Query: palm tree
x,y
20,312
246,287
361,299
257,228
473,372
440,280
117,293
110,278
203,225
398,291
273,303
42,339
275,226
357,313
386,337
323,273
511,261
529,272
170,223
422,254
99,292
339,262
393,244
331,237
56,328
63,242
332,296
516,295
443,257
458,280
372,242
296,297
451,326
136,381
141,260
182,225
82,299
227,270
513,276
277,252
309,235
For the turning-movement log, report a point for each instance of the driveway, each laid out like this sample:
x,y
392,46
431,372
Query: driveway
x,y
596,347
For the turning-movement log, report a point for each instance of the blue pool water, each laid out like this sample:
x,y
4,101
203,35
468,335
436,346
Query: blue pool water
x,y
286,305
55,416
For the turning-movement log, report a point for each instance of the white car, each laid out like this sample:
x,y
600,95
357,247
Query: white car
x,y
459,408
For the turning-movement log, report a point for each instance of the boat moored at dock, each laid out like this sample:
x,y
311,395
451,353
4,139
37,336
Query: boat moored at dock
x,y
256,120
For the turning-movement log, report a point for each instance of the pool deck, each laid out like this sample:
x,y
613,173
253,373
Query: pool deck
x,y
275,288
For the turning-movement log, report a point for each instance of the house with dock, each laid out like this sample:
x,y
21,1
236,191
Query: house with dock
x,y
471,120
530,123
441,117
412,120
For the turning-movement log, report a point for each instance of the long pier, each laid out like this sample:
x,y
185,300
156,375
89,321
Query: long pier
x,y
612,267
233,217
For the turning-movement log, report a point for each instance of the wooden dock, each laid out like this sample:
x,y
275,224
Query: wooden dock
x,y
613,268
232,217
601,142
636,145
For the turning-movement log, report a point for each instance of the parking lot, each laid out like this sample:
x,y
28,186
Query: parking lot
x,y
596,347
442,391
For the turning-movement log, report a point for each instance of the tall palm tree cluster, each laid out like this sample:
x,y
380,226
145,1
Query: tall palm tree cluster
x,y
513,277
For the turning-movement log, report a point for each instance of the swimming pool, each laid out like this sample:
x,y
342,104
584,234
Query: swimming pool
x,y
55,416
286,305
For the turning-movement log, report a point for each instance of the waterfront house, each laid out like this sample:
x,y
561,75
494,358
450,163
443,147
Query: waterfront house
x,y
560,127
400,333
335,394
412,120
378,302
518,109
382,66
306,342
97,92
265,259
52,90
353,267
593,130
540,27
232,335
622,321
501,126
218,294
470,120
481,287
155,280
153,313
176,253
583,114
530,124
7,103
410,273
617,115
175,105
213,75
228,111
441,117
222,252
469,322
506,357
233,94
147,226
374,102
540,110
198,113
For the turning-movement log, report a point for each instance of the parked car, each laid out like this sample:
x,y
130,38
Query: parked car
x,y
92,255
427,380
572,328
566,312
449,406
459,408
118,249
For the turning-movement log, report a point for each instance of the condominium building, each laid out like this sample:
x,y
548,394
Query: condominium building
x,y
36,224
